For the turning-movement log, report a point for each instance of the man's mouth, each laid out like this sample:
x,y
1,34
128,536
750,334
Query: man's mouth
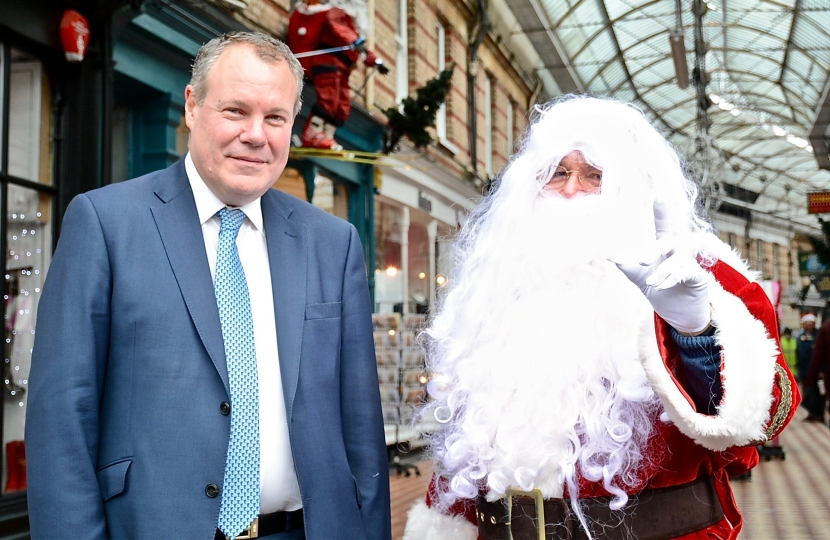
x,y
249,160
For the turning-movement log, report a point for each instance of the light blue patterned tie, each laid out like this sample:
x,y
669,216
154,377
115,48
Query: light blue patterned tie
x,y
240,499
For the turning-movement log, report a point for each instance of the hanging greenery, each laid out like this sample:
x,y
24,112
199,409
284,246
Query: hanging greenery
x,y
418,114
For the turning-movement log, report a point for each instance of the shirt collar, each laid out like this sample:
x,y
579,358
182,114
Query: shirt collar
x,y
207,203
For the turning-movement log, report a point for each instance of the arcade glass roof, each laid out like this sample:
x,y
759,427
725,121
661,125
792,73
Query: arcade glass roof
x,y
767,61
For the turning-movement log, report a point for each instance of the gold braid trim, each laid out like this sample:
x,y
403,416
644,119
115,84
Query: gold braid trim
x,y
784,405
783,409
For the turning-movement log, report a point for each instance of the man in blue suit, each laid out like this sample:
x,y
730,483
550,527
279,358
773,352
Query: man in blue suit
x,y
142,410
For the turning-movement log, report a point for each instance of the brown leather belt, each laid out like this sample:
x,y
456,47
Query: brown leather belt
x,y
266,524
653,514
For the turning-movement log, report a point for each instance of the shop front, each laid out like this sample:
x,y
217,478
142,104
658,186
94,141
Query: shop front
x,y
416,217
38,89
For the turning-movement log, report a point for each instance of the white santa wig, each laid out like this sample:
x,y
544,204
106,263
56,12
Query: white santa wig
x,y
359,11
489,315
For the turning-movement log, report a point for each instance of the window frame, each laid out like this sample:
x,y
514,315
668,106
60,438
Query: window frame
x,y
10,502
402,53
488,124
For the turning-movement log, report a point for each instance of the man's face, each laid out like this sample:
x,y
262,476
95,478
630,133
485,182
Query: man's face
x,y
808,325
575,177
240,134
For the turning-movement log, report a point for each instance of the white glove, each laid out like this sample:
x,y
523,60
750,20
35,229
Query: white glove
x,y
674,283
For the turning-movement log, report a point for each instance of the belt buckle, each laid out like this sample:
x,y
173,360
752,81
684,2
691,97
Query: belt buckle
x,y
537,497
251,532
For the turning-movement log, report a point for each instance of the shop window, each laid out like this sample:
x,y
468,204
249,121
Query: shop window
x,y
443,257
401,54
418,268
26,240
291,181
441,62
488,124
776,262
388,257
29,96
759,255
331,196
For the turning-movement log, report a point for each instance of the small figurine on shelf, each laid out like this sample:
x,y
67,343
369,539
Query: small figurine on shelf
x,y
326,39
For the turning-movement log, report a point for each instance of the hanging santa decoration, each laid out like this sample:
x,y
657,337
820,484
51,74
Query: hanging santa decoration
x,y
327,40
74,35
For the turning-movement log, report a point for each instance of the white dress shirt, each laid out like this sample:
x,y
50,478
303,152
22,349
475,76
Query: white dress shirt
x,y
279,489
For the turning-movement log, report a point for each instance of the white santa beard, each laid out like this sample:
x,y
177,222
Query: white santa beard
x,y
550,381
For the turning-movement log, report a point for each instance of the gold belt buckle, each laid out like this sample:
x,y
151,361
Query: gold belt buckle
x,y
537,497
251,532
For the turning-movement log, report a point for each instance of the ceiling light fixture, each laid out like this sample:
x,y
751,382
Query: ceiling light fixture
x,y
678,50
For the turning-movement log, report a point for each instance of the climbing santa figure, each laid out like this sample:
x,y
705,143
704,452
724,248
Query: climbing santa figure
x,y
326,37
600,362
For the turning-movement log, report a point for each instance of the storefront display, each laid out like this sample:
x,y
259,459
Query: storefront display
x,y
27,243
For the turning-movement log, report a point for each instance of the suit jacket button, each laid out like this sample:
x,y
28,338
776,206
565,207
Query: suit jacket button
x,y
225,408
211,490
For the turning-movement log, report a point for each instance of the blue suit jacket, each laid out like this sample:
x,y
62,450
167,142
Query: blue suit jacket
x,y
124,430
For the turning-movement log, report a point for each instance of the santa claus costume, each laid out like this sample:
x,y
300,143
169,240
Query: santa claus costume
x,y
600,363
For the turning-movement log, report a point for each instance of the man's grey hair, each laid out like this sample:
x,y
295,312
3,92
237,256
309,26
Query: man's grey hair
x,y
267,49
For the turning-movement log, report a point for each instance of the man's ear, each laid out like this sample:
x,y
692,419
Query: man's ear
x,y
190,105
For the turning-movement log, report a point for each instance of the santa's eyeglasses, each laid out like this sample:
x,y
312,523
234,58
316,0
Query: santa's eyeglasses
x,y
591,180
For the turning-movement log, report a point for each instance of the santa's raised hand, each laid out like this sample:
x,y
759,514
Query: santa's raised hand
x,y
673,282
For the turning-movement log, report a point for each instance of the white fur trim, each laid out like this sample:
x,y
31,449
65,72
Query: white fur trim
x,y
306,9
748,373
712,247
425,523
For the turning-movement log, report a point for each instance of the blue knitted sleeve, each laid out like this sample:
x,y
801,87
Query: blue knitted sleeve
x,y
701,359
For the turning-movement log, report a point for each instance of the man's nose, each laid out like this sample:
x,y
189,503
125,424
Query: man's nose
x,y
572,186
254,134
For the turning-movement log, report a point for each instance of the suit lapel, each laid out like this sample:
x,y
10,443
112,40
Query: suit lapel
x,y
181,233
287,254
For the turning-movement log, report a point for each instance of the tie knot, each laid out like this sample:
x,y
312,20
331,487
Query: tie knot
x,y
231,219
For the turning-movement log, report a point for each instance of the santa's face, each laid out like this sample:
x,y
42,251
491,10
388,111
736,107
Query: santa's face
x,y
575,177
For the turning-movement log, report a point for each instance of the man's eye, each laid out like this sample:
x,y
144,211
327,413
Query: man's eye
x,y
597,177
559,173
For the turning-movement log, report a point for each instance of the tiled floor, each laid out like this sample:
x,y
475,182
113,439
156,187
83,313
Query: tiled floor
x,y
783,500
790,499
406,490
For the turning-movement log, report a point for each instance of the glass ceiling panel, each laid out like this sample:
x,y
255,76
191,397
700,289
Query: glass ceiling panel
x,y
816,22
556,9
659,101
741,38
801,64
618,8
630,33
768,24
676,117
754,64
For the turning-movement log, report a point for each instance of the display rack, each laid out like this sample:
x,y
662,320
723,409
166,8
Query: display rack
x,y
400,376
